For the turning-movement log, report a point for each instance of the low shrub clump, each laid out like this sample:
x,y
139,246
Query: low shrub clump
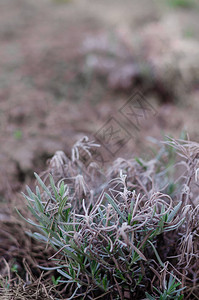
x,y
129,231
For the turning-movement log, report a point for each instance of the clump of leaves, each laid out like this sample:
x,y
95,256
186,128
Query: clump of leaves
x,y
111,231
171,290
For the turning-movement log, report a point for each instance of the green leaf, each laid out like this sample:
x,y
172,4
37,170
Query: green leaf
x,y
114,205
105,282
62,204
44,187
149,297
62,189
172,227
52,183
50,268
174,212
27,220
39,205
66,275
156,254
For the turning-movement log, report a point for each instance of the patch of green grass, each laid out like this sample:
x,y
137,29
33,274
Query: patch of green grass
x,y
14,268
55,281
62,1
189,33
181,3
18,134
171,291
4,283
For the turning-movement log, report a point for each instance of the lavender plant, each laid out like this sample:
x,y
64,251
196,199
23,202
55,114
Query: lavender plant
x,y
106,228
